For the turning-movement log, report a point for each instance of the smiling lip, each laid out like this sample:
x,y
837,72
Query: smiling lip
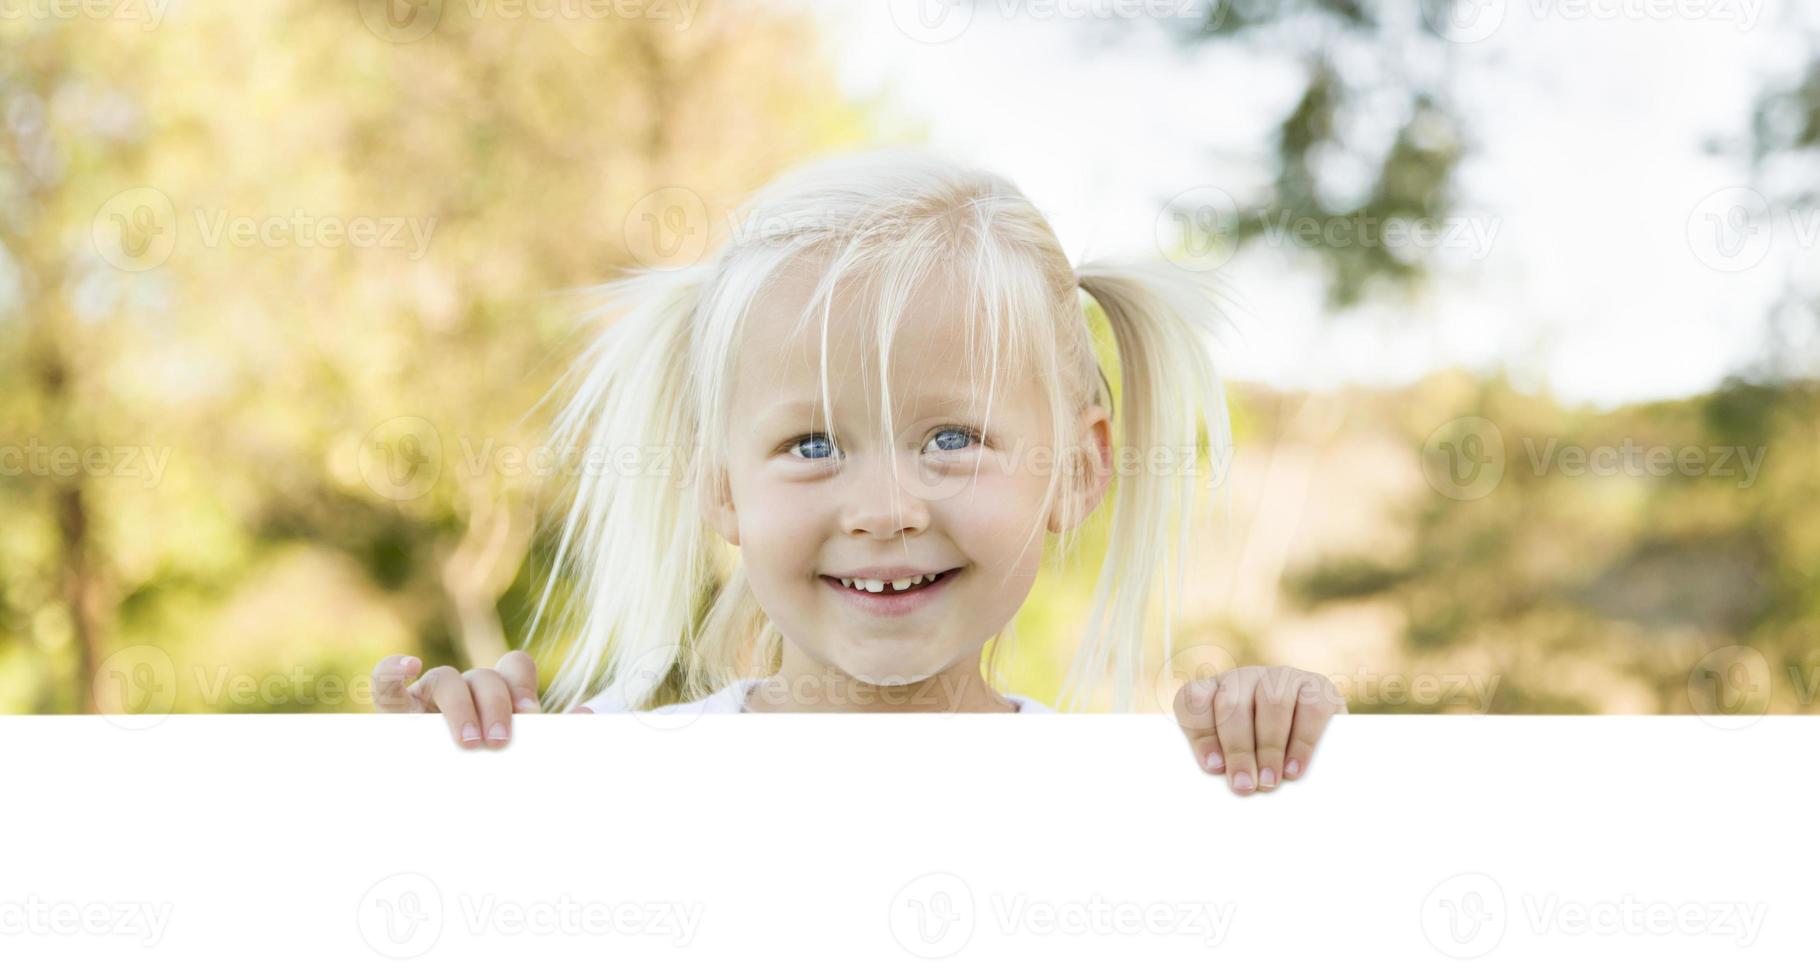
x,y
890,603
886,573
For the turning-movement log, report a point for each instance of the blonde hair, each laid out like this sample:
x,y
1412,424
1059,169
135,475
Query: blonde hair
x,y
660,609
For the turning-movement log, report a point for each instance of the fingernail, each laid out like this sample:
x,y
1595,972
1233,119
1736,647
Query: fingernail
x,y
1267,778
1214,762
470,732
497,733
526,704
411,664
1242,781
1292,769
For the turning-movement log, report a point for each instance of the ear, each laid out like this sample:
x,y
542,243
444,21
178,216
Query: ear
x,y
715,497
1096,476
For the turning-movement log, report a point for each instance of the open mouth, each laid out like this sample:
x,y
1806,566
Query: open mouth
x,y
892,597
890,586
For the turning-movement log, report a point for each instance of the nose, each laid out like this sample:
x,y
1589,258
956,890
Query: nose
x,y
874,503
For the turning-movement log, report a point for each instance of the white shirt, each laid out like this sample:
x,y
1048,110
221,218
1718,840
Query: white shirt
x,y
732,700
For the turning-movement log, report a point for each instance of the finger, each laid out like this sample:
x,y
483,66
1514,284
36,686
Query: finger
x,y
1232,716
520,672
493,699
444,689
391,679
1316,704
1194,712
1275,711
581,709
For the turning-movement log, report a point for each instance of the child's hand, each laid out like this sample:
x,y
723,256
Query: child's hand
x,y
481,700
1255,722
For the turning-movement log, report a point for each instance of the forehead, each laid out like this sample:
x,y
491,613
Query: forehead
x,y
934,357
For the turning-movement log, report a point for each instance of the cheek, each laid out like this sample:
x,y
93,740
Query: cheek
x,y
1000,525
779,528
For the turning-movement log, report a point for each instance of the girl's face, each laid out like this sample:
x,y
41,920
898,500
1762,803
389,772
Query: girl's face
x,y
811,502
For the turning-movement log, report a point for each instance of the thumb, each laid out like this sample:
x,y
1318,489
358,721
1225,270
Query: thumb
x,y
1194,712
391,684
520,672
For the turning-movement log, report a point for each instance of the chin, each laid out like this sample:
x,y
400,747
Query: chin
x,y
885,668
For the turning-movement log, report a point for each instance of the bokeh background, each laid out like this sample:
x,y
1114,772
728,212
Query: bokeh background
x,y
1523,304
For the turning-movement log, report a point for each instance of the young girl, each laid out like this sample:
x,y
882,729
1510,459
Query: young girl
x,y
885,395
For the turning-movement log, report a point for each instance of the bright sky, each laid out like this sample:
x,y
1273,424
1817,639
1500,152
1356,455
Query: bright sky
x,y
1590,185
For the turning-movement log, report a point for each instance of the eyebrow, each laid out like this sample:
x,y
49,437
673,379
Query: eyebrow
x,y
801,407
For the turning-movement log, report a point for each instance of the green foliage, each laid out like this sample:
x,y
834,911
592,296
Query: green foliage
x,y
268,371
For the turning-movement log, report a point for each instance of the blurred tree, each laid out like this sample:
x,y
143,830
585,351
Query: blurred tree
x,y
1373,138
308,254
1784,149
1577,587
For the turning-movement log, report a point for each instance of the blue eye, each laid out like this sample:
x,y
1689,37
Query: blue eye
x,y
824,447
953,439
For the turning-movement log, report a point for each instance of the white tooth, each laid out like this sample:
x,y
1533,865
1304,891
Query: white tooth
x,y
929,577
874,585
847,582
900,584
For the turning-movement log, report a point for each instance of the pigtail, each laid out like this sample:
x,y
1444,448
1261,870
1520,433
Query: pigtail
x,y
1161,319
633,543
